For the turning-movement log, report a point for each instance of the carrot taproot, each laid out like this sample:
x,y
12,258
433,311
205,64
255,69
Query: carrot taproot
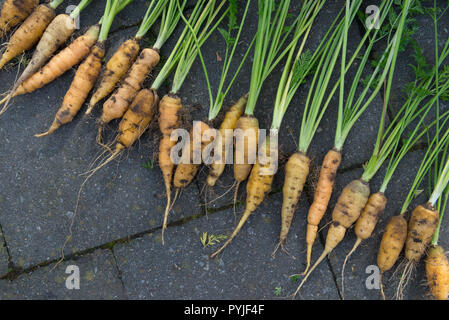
x,y
229,123
421,227
437,272
122,59
322,195
349,206
365,225
391,245
259,185
137,118
169,107
57,32
115,70
82,84
62,62
185,172
296,172
245,149
245,146
29,33
14,12
118,103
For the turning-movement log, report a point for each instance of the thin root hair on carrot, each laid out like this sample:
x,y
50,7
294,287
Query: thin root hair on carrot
x,y
406,275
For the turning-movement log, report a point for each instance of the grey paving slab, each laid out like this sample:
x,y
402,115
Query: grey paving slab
x,y
245,270
356,273
98,280
42,178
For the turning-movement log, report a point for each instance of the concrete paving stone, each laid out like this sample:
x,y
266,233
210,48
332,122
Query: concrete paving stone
x,y
356,273
123,199
244,270
42,179
98,280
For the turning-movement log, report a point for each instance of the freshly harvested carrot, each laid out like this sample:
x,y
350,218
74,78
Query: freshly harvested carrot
x,y
296,172
169,108
182,57
29,33
365,225
437,271
349,206
185,172
122,59
323,192
421,227
245,148
229,123
14,12
88,71
57,33
115,69
391,245
118,103
84,81
137,118
259,184
62,62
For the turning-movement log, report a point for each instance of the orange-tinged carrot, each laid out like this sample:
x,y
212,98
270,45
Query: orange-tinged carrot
x,y
185,172
115,70
349,206
82,84
57,33
421,227
365,225
118,103
169,108
391,245
437,272
29,33
62,62
229,123
296,172
323,192
14,12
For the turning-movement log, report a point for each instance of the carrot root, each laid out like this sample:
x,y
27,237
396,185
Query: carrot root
x,y
115,70
29,33
321,198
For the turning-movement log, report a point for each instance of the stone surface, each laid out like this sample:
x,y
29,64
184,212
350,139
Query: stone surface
x,y
98,279
123,203
42,176
244,270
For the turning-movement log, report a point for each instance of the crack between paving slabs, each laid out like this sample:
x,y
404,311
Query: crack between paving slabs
x,y
16,272
5,245
119,273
